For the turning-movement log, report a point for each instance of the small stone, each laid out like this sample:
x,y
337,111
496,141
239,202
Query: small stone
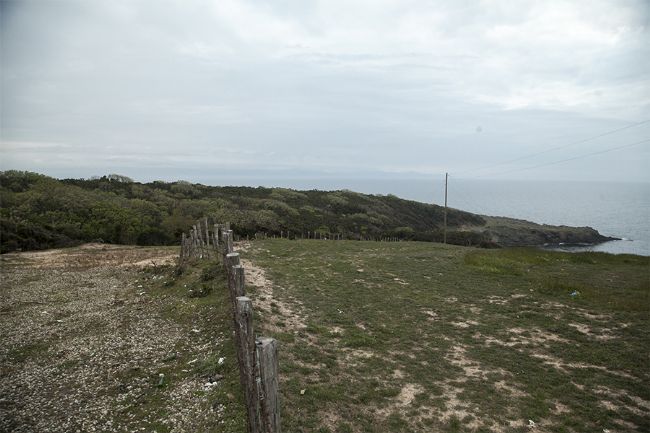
x,y
303,391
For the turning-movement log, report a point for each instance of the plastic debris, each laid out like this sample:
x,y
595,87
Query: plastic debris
x,y
303,391
574,294
221,360
209,385
531,423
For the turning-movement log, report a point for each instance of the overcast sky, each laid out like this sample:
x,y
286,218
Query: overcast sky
x,y
217,91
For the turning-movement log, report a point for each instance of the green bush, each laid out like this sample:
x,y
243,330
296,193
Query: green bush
x,y
41,212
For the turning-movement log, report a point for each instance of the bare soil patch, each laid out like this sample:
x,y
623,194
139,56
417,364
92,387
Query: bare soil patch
x,y
265,300
87,344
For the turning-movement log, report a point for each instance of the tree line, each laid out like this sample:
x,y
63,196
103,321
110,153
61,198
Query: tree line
x,y
38,212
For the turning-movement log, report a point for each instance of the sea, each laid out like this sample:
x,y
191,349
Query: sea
x,y
617,209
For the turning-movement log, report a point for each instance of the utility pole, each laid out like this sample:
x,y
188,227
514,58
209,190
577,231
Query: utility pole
x,y
445,232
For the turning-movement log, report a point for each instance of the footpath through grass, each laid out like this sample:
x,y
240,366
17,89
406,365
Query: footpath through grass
x,y
397,337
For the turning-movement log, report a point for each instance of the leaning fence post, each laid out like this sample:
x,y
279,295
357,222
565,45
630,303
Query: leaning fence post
x,y
268,385
246,352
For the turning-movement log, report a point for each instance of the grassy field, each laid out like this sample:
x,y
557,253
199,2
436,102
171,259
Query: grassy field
x,y
401,337
375,337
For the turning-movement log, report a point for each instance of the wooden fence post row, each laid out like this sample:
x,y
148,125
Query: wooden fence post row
x,y
324,236
204,242
257,357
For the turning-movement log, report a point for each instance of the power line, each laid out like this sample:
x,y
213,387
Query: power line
x,y
584,140
611,149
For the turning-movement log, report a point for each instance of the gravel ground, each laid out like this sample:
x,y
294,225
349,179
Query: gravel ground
x,y
83,345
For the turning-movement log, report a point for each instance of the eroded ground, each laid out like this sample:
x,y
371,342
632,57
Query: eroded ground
x,y
109,338
390,337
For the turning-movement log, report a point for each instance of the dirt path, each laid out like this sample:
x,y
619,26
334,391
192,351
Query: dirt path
x,y
84,343
273,306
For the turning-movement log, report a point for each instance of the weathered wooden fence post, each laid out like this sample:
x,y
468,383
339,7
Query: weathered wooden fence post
x,y
246,349
232,260
197,235
268,385
238,278
230,240
194,243
207,232
215,237
227,246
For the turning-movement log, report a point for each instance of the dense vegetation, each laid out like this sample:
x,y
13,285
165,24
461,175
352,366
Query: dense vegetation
x,y
38,212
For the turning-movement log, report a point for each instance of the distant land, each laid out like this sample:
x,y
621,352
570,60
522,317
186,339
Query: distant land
x,y
40,212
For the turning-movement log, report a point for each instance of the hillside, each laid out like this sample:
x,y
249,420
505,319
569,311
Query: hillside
x,y
38,212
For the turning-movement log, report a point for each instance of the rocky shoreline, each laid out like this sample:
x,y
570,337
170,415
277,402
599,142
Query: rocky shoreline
x,y
507,232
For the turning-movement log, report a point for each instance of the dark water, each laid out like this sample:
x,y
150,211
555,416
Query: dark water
x,y
615,209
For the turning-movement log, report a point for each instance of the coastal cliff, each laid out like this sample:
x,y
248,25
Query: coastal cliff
x,y
505,231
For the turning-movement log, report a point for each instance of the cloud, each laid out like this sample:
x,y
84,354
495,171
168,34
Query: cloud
x,y
365,86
